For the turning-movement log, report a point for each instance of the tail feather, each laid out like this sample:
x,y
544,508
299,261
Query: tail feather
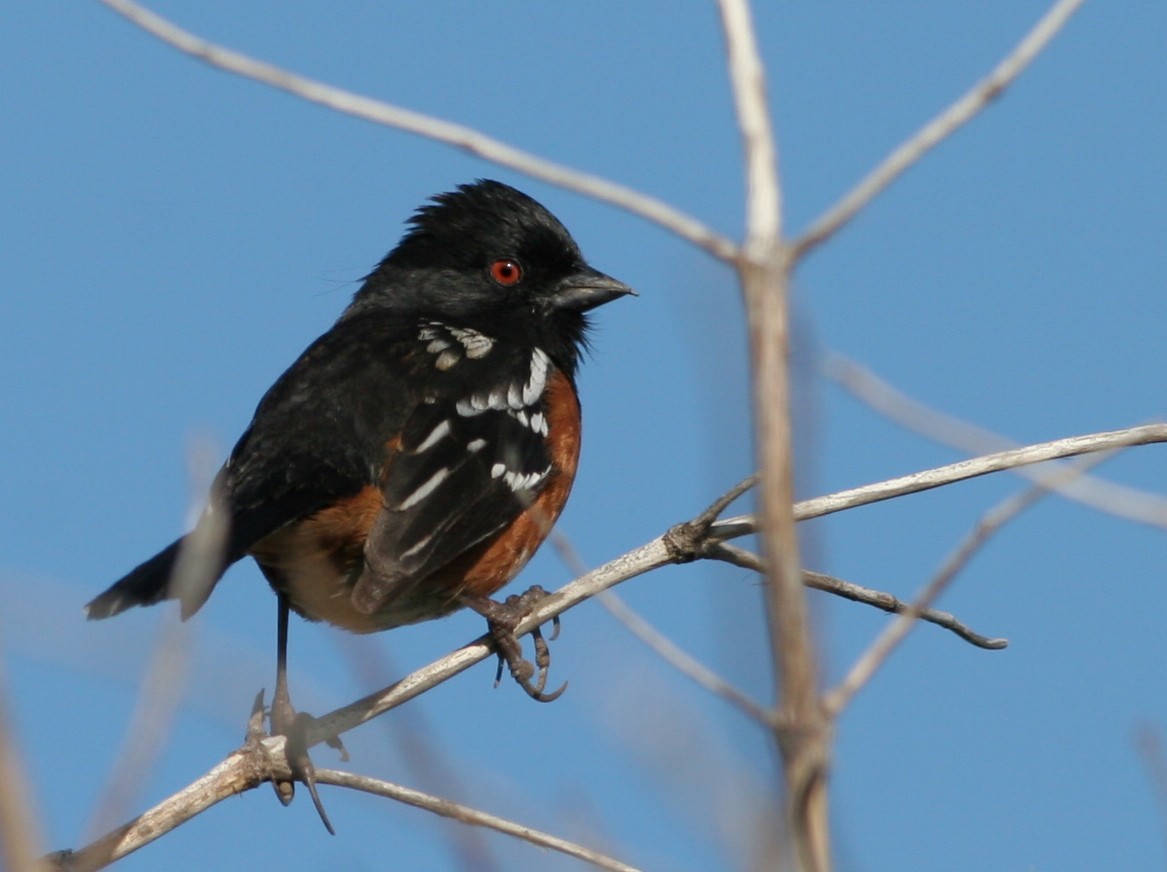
x,y
151,582
143,586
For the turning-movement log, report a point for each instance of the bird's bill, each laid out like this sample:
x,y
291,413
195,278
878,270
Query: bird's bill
x,y
588,289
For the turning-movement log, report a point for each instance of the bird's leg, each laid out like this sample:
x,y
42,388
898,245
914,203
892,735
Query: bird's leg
x,y
502,618
293,726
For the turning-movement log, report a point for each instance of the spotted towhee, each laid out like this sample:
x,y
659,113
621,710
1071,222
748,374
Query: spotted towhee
x,y
413,458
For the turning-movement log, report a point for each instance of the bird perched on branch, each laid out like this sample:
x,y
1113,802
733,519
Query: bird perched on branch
x,y
415,456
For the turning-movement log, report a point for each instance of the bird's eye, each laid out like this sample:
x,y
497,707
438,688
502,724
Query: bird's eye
x,y
506,272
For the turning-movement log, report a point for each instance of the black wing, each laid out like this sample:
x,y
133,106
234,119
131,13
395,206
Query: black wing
x,y
470,461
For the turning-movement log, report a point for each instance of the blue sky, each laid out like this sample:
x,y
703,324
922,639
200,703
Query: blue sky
x,y
175,236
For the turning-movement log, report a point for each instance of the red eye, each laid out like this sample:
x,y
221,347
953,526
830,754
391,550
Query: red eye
x,y
506,271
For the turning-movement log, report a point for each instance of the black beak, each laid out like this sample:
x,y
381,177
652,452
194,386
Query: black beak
x,y
587,289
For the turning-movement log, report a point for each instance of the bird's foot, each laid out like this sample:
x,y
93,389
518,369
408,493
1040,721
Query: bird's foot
x,y
293,726
502,618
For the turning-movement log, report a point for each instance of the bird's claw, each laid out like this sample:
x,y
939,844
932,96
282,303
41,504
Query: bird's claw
x,y
293,726
502,618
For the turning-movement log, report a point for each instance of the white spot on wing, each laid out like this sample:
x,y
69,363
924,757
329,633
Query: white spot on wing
x,y
475,445
539,423
519,482
476,344
538,380
444,336
480,350
415,548
447,359
497,470
516,398
439,432
425,490
475,404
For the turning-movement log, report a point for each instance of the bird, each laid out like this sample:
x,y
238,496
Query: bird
x,y
410,462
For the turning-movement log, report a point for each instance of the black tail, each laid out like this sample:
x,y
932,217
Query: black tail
x,y
150,583
143,586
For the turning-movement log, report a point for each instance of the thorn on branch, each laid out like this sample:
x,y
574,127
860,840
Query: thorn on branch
x,y
689,540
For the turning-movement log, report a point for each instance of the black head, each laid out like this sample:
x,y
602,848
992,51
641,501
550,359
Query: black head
x,y
489,257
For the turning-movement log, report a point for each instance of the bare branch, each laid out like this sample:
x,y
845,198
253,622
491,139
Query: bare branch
x,y
887,641
457,135
467,815
801,732
858,593
256,763
1115,499
238,773
940,128
1071,446
763,194
887,602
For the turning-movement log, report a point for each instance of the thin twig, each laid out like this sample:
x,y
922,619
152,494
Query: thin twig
x,y
887,641
894,605
706,519
457,135
860,594
680,659
467,815
940,128
1071,446
1125,502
